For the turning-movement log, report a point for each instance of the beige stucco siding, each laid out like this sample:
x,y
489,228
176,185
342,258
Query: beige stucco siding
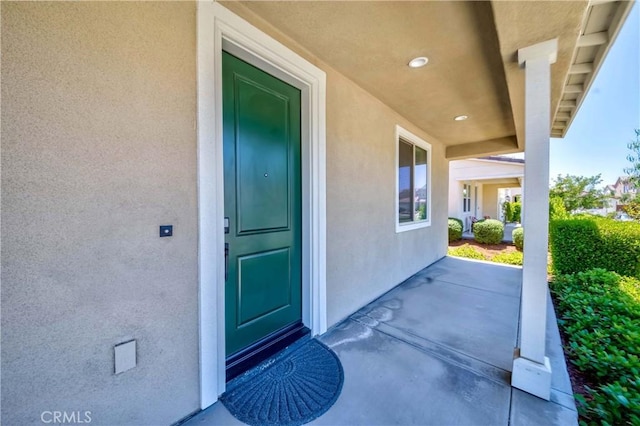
x,y
365,256
98,149
490,200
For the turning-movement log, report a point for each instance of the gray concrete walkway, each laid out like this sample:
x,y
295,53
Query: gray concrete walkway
x,y
437,350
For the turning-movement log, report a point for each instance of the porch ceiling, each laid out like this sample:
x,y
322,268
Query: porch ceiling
x,y
508,182
472,50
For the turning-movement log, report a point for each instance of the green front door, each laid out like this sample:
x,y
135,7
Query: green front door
x,y
262,195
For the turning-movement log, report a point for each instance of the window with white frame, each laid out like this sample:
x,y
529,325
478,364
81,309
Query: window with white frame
x,y
413,186
466,198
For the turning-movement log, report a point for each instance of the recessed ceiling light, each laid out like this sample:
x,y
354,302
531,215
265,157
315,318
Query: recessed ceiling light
x,y
418,62
461,117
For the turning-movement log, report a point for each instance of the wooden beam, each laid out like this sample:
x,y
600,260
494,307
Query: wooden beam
x,y
585,68
504,145
594,39
568,104
597,2
573,88
563,116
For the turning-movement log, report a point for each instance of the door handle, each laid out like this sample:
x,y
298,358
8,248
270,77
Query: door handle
x,y
226,261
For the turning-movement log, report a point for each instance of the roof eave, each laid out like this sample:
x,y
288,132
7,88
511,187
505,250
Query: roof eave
x,y
562,119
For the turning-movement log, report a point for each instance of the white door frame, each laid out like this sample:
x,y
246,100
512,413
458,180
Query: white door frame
x,y
218,29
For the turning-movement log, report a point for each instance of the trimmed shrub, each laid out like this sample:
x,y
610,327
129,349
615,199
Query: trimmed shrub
x,y
518,238
489,231
557,210
507,209
585,243
599,312
517,212
466,251
457,220
474,223
512,211
455,229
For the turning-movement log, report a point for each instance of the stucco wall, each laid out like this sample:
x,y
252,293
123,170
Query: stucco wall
x,y
365,256
490,200
455,199
98,149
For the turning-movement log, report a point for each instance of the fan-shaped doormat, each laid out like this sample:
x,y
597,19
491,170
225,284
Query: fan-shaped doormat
x,y
293,387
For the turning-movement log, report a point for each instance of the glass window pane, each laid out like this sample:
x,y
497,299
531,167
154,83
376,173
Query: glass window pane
x,y
420,179
466,198
405,181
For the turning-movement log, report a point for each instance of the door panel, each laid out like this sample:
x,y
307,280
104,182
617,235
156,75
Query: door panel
x,y
262,158
255,299
261,128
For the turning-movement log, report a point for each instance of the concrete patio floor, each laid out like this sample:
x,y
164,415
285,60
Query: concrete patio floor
x,y
437,350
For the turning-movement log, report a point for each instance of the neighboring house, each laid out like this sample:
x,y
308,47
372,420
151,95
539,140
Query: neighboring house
x,y
619,194
309,149
623,188
479,186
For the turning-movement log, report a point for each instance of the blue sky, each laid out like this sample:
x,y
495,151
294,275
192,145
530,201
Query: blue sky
x,y
597,139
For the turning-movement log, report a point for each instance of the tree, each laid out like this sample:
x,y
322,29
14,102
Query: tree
x,y
633,171
578,192
632,206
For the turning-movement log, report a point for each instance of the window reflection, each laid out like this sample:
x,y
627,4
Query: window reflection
x,y
420,192
413,163
405,182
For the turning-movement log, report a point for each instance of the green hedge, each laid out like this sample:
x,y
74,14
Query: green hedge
x,y
599,312
557,209
455,229
473,225
518,238
489,231
586,243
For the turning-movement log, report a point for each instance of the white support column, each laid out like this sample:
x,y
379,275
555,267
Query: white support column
x,y
531,370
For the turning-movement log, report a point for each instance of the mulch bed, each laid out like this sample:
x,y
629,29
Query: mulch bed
x,y
486,249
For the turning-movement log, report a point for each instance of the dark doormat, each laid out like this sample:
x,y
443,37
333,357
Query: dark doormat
x,y
293,387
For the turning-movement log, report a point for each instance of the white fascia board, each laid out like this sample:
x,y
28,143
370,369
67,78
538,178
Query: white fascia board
x,y
485,160
484,177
